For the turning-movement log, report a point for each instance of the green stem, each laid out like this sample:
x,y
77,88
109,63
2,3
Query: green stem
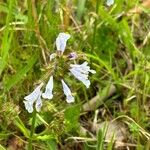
x,y
95,26
32,130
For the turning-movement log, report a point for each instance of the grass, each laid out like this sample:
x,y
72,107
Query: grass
x,y
116,45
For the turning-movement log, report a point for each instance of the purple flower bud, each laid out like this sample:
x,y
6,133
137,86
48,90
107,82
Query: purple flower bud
x,y
73,56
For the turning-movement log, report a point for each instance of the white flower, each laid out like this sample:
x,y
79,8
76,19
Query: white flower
x,y
67,92
48,90
35,96
61,41
81,72
52,56
109,2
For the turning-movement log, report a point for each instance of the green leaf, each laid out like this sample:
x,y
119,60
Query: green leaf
x,y
101,137
18,122
3,8
2,148
126,35
80,8
71,117
107,18
7,38
52,145
45,137
20,75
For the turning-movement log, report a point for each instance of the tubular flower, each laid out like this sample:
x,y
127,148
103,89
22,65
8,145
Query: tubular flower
x,y
81,72
61,41
35,96
67,92
48,90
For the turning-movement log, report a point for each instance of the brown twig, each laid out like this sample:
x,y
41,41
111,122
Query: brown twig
x,y
138,9
97,100
73,20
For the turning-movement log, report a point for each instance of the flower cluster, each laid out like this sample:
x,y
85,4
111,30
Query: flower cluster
x,y
34,97
79,71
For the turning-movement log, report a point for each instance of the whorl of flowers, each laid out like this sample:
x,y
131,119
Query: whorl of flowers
x,y
59,63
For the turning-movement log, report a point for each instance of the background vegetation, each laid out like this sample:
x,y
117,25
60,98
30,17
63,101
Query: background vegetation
x,y
114,113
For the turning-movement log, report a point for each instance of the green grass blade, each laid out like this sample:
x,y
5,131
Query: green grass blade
x,y
20,75
21,126
2,148
80,8
101,138
6,41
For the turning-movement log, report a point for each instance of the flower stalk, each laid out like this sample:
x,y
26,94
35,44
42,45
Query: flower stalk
x,y
58,64
32,130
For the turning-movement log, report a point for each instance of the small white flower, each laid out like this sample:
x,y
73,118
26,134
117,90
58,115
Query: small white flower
x,y
109,2
67,92
52,56
61,41
48,90
35,96
81,72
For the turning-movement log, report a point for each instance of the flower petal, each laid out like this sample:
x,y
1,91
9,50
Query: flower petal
x,y
81,72
49,88
28,106
61,41
67,92
38,104
84,68
31,98
81,77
